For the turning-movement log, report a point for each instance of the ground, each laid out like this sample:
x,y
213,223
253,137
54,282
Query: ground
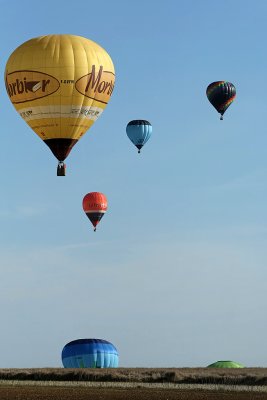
x,y
64,393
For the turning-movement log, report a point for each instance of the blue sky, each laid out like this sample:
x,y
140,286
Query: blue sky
x,y
176,274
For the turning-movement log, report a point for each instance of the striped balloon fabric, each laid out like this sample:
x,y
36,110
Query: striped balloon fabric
x,y
139,131
90,353
221,94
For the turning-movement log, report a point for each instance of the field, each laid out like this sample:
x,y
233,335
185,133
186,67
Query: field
x,y
216,376
133,384
61,393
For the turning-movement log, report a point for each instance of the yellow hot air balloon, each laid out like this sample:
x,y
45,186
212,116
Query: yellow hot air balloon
x,y
60,85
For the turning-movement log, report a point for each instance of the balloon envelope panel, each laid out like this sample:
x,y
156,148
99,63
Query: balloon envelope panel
x,y
139,131
90,353
95,201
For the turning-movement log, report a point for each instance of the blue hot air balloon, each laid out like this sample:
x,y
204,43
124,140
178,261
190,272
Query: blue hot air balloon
x,y
139,131
90,353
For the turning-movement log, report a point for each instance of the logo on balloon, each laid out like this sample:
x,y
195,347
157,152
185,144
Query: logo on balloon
x,y
96,206
23,86
97,85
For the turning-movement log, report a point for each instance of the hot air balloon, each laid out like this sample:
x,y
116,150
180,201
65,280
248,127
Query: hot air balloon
x,y
90,353
226,364
139,131
221,94
60,85
95,205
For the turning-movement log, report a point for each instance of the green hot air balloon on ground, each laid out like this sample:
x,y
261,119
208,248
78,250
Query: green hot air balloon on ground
x,y
226,364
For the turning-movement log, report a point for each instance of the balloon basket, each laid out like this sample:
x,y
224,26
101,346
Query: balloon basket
x,y
61,169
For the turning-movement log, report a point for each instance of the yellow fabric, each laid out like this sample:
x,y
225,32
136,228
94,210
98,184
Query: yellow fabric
x,y
59,84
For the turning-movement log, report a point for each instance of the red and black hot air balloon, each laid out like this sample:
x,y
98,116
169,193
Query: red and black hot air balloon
x,y
95,205
221,94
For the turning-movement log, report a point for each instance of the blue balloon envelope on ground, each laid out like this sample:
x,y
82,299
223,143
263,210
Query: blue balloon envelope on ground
x,y
90,353
139,131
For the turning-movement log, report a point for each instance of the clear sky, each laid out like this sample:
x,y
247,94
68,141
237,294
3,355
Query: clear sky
x,y
176,274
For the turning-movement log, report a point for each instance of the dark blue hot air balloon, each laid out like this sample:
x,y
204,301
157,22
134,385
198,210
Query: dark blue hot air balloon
x,y
221,94
139,131
90,353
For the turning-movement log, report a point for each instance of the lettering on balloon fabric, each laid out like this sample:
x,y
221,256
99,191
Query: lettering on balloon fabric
x,y
23,86
97,85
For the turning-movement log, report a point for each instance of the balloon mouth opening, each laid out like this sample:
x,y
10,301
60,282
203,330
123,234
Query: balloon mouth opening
x,y
60,147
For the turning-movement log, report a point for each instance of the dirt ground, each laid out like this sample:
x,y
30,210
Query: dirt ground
x,y
63,393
